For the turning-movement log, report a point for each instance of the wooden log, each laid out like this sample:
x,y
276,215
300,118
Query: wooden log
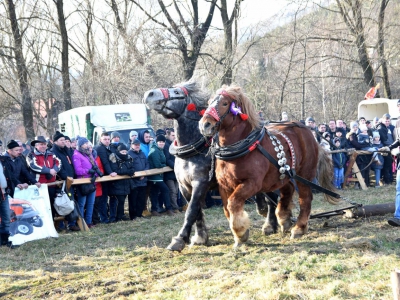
x,y
342,150
118,177
395,279
370,210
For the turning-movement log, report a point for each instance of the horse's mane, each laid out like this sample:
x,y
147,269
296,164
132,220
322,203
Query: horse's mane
x,y
235,92
198,96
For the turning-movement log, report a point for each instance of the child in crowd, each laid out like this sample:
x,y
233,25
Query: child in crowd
x,y
364,139
325,141
339,161
376,143
343,140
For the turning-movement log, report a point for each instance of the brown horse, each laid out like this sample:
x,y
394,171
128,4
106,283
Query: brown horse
x,y
242,169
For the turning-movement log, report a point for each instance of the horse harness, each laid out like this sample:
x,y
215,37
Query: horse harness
x,y
253,141
190,150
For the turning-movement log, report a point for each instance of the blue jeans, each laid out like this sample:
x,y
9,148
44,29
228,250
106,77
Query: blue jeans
x,y
5,216
397,211
377,176
338,177
88,203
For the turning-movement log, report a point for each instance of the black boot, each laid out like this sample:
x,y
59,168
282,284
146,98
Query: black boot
x,y
4,240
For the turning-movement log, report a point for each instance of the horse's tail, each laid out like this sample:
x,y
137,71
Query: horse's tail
x,y
325,174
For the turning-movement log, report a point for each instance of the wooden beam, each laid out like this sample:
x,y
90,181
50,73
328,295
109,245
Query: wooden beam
x,y
118,177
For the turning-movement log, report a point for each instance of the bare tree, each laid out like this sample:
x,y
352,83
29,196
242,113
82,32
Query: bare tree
x,y
189,34
27,112
351,11
381,49
64,54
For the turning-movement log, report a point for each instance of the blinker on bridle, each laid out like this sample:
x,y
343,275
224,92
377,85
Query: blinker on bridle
x,y
168,97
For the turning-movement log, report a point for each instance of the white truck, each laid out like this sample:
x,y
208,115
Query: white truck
x,y
92,121
377,107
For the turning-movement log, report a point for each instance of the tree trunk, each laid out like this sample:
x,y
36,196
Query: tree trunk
x,y
27,112
64,55
356,27
381,50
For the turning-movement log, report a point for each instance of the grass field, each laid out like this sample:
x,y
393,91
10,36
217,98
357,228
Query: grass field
x,y
338,259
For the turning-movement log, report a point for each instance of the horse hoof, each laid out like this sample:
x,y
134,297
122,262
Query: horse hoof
x,y
245,236
263,211
268,230
199,240
177,244
295,236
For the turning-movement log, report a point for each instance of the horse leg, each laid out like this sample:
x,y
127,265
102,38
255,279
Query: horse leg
x,y
284,208
194,214
239,220
262,204
271,223
305,198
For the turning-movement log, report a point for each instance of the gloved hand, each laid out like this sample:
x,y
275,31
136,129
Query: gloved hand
x,y
384,149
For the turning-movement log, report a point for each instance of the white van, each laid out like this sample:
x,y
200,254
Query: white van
x,y
92,121
377,107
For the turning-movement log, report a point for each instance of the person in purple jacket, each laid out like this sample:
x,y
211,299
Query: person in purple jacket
x,y
83,162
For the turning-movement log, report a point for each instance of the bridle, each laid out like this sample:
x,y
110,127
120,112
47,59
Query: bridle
x,y
168,97
213,110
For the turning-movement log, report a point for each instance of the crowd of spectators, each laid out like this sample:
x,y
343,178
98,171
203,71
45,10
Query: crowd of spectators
x,y
44,161
360,135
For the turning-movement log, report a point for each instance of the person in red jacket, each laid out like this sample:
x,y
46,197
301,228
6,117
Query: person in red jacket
x,y
44,165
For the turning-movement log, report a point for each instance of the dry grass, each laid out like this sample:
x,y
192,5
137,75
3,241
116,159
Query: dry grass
x,y
338,259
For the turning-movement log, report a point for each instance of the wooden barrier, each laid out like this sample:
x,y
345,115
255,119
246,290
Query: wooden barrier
x,y
118,177
81,222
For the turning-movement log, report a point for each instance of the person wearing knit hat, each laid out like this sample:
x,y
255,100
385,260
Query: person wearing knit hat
x,y
85,167
81,141
160,131
160,138
57,135
12,144
122,164
132,136
114,136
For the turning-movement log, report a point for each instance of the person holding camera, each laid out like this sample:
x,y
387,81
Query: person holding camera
x,y
85,167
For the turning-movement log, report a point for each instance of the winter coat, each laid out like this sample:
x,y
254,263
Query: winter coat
x,y
40,165
339,159
170,161
156,160
20,170
67,167
140,163
10,177
121,167
144,146
99,187
104,153
82,165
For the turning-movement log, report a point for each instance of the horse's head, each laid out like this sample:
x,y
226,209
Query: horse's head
x,y
175,101
228,106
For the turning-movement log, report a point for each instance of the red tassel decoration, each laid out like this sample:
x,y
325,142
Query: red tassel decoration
x,y
244,117
191,107
201,113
